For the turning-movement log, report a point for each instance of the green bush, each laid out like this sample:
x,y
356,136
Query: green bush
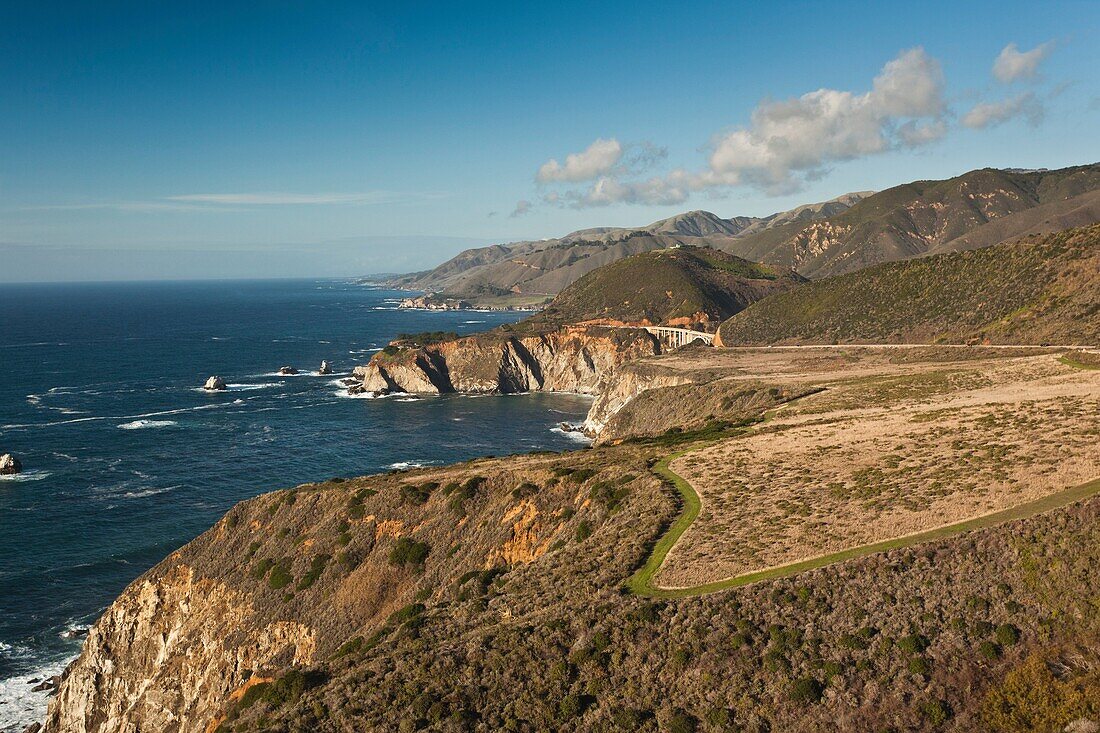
x,y
914,644
806,690
1007,634
316,567
936,712
681,722
407,551
418,494
920,666
989,650
280,576
584,531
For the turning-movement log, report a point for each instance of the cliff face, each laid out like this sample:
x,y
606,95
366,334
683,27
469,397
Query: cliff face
x,y
570,359
286,579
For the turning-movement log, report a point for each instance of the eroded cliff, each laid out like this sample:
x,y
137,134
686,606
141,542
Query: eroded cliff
x,y
286,579
569,359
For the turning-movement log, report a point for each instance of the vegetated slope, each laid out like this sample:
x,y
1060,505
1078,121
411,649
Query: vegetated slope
x,y
931,216
687,286
547,266
944,633
1044,289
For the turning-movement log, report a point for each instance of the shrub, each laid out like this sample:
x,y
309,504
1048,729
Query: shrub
x,y
584,531
989,650
407,551
1032,698
936,712
418,494
259,570
1007,634
914,643
919,665
280,576
525,490
681,722
316,567
806,690
608,494
581,475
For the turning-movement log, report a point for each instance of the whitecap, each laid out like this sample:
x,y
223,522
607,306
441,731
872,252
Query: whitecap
x,y
20,705
573,435
248,387
142,424
148,492
32,475
406,465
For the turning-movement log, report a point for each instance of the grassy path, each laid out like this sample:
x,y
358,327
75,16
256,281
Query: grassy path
x,y
641,583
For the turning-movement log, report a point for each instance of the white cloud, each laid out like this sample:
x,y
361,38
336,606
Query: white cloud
x,y
991,114
522,207
1012,63
789,139
788,142
596,160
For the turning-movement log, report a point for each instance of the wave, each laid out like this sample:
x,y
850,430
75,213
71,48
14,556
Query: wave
x,y
142,424
406,465
573,435
20,705
32,475
148,492
111,417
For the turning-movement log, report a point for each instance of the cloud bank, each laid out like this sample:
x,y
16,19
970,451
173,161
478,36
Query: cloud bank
x,y
790,142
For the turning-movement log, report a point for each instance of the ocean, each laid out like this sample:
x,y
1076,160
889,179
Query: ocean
x,y
126,458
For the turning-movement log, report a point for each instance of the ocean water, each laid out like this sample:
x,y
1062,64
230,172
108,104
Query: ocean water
x,y
126,457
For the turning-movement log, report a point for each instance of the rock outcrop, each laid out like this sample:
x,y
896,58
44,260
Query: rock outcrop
x,y
570,359
287,371
325,368
9,464
214,384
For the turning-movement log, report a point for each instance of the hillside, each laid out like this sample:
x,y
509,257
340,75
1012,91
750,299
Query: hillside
x,y
547,266
687,286
501,593
979,208
1044,289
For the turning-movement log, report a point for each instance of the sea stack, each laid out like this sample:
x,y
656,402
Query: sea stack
x,y
214,384
325,368
9,464
287,371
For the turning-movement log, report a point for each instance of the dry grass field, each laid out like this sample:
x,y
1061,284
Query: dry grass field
x,y
900,441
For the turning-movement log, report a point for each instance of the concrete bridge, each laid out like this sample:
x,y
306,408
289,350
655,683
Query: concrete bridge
x,y
677,337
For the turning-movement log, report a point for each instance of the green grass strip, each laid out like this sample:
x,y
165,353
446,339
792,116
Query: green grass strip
x,y
1077,364
641,583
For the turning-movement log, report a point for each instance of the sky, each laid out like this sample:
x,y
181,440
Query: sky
x,y
280,139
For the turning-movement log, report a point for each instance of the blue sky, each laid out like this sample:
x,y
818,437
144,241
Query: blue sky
x,y
162,140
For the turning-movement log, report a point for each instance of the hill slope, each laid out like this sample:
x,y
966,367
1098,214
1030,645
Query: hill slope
x,y
976,209
688,286
1042,289
549,265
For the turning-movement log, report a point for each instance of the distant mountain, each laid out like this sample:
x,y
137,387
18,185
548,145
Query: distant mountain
x,y
547,266
695,287
977,209
1042,289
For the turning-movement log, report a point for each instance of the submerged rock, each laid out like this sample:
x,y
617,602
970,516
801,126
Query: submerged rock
x,y
9,464
325,368
214,384
287,371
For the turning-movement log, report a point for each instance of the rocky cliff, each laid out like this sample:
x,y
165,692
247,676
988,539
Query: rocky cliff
x,y
569,359
296,578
